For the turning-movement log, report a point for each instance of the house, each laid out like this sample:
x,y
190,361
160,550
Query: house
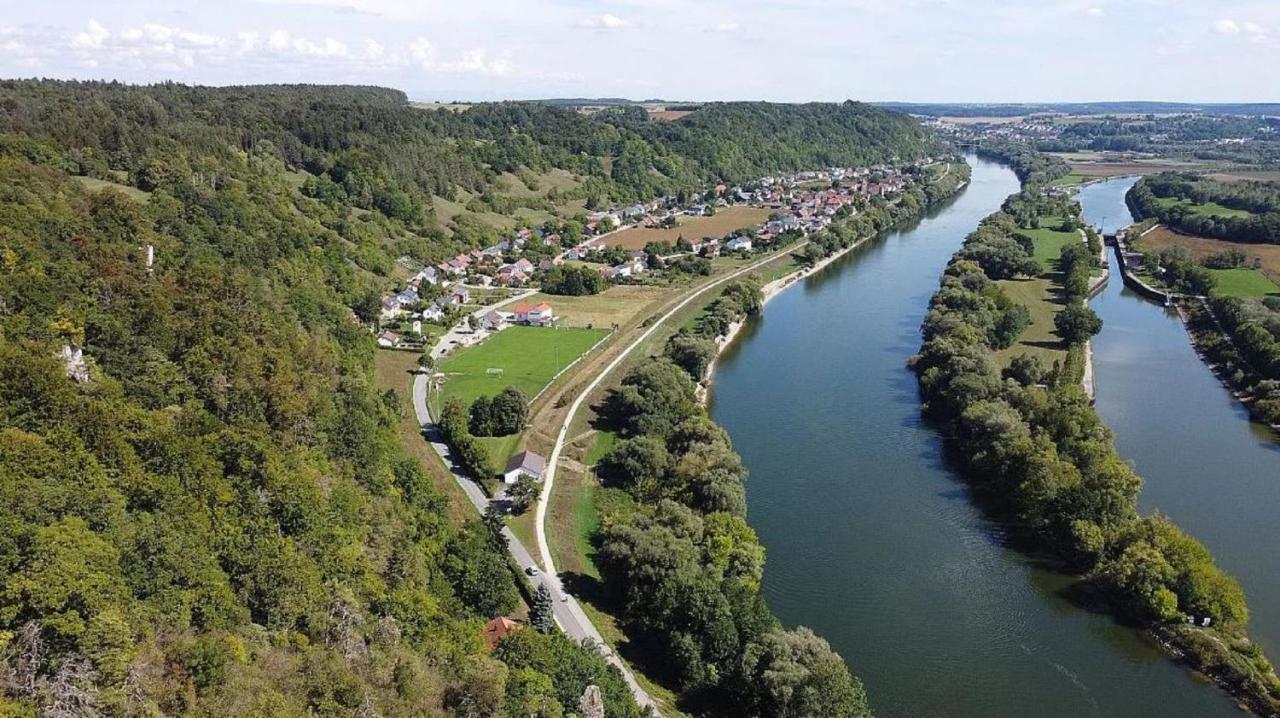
x,y
430,275
525,463
546,265
523,266
391,306
741,242
433,313
494,320
388,340
539,314
498,629
631,212
459,296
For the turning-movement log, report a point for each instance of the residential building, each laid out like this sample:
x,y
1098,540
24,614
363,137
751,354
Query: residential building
x,y
525,463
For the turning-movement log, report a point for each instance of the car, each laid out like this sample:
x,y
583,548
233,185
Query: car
x,y
531,571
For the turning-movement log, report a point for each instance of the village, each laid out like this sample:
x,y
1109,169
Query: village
x,y
450,292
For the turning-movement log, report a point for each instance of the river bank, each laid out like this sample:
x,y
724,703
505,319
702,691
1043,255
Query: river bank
x,y
776,287
870,537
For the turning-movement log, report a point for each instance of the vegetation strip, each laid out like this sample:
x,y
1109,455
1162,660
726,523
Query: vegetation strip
x,y
1041,459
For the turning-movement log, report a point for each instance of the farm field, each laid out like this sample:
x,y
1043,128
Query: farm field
x,y
725,221
1208,209
1201,247
615,305
1246,176
529,358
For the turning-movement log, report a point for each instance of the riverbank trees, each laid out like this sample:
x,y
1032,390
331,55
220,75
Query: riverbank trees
x,y
1031,443
1199,206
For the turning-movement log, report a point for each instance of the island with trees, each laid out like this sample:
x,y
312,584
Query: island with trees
x,y
1026,438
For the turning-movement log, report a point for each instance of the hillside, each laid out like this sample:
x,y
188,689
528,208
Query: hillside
x,y
208,510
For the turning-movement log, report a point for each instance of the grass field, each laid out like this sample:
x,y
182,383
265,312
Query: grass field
x,y
1073,179
1201,247
725,221
395,370
1246,175
1049,242
529,358
615,305
1041,297
1242,283
94,184
1209,209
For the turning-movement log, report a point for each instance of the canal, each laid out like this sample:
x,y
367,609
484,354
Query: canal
x,y
1206,465
875,544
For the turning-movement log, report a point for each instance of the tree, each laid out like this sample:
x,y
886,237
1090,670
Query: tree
x,y
541,610
1077,323
795,673
523,493
572,280
691,353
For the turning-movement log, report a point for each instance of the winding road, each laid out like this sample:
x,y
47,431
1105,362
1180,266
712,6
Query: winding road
x,y
568,611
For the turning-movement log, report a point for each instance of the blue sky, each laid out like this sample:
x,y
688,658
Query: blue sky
x,y
785,50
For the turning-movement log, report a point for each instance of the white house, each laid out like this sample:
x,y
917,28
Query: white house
x,y
388,340
540,314
525,463
740,242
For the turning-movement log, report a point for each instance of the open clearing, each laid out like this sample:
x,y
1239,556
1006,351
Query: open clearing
x,y
529,358
93,184
1242,283
1049,242
616,305
725,221
1208,209
1231,282
1246,175
1201,247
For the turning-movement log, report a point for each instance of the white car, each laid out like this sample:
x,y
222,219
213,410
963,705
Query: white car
x,y
531,571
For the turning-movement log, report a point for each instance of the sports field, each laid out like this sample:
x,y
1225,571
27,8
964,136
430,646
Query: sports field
x,y
524,357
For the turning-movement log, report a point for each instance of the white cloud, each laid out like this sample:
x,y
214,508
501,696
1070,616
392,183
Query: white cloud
x,y
91,38
1095,12
478,61
606,21
1226,26
727,27
1253,28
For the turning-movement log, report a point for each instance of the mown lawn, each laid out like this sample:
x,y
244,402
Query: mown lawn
x,y
529,358
616,305
1049,242
1242,283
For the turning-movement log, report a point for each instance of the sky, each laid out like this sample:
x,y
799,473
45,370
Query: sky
x,y
780,50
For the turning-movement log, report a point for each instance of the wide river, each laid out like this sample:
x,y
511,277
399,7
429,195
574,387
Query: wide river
x,y
874,542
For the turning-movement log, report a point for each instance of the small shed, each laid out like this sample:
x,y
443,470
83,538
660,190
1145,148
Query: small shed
x,y
525,463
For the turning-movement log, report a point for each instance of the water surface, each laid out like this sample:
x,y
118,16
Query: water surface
x,y
873,541
1206,465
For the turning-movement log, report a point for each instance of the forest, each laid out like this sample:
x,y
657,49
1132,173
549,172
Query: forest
x,y
1176,199
1026,437
209,512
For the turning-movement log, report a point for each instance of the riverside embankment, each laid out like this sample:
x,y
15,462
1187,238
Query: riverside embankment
x,y
872,540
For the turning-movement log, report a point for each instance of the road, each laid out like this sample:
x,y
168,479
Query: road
x,y
568,613
544,551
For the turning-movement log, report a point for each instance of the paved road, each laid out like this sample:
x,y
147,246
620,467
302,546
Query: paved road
x,y
568,613
553,578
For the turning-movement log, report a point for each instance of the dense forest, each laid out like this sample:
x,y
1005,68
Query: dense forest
x,y
1033,168
1178,199
209,512
1027,438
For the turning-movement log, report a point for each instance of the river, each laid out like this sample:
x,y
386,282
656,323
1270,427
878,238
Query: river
x,y
875,543
1206,465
